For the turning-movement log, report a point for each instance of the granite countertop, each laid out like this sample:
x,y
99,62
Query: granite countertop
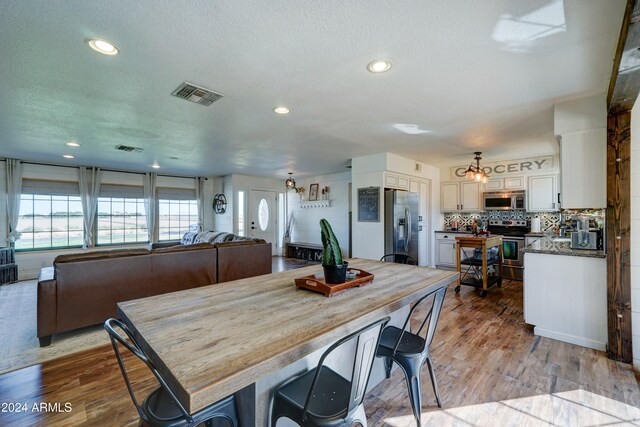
x,y
545,245
453,231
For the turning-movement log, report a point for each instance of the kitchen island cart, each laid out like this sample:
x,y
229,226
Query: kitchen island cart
x,y
473,260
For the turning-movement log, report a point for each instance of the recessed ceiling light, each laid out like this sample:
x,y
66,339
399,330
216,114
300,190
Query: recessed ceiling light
x,y
379,65
73,144
68,156
102,46
155,166
281,110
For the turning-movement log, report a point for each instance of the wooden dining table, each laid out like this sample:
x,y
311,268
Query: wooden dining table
x,y
213,341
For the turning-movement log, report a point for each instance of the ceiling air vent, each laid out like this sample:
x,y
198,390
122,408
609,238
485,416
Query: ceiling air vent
x,y
197,94
128,149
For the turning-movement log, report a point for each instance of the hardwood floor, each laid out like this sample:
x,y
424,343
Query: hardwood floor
x,y
491,371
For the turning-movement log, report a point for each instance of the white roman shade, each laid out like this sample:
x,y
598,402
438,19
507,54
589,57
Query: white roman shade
x,y
122,191
50,188
176,193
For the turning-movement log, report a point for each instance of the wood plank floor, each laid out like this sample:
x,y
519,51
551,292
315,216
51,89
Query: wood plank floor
x,y
490,367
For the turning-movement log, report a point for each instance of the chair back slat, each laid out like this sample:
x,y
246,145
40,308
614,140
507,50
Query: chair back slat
x,y
435,315
367,343
430,319
133,346
364,356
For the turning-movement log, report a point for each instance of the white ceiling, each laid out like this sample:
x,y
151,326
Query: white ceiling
x,y
478,75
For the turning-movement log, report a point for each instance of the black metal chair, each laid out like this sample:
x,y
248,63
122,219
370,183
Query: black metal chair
x,y
321,396
161,408
399,259
410,350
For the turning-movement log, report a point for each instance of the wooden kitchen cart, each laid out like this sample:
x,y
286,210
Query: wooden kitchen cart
x,y
474,270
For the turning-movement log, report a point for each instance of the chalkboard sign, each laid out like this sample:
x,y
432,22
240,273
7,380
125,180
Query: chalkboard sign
x,y
369,204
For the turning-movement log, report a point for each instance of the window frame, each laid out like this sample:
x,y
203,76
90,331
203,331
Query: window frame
x,y
50,230
193,212
96,224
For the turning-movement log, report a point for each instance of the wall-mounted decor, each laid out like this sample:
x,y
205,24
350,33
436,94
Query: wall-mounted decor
x,y
290,183
509,167
219,203
369,204
313,192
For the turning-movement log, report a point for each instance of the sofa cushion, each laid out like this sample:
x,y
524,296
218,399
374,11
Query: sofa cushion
x,y
94,255
182,248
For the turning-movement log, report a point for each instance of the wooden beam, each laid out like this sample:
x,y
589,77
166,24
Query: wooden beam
x,y
624,85
619,236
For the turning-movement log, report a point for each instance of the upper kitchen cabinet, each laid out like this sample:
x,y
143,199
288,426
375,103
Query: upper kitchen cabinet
x,y
510,183
396,181
450,196
460,196
542,194
583,164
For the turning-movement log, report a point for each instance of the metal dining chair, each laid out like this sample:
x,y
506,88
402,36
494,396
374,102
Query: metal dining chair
x,y
399,259
323,398
161,408
411,350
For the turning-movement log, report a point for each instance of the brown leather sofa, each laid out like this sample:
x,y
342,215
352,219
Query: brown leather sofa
x,y
83,289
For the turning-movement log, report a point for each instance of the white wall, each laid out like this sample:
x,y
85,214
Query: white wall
x,y
368,171
222,222
635,234
307,225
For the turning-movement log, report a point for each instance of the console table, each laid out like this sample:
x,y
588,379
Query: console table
x,y
308,251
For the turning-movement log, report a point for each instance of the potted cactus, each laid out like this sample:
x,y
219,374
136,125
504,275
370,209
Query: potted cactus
x,y
335,269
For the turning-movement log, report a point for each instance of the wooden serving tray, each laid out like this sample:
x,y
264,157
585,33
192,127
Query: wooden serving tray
x,y
315,282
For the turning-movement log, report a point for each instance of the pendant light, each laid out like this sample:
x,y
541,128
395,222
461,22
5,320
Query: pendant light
x,y
290,183
477,172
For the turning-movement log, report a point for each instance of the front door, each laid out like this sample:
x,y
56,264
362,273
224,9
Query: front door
x,y
262,217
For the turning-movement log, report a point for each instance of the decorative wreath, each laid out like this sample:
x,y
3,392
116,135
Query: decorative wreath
x,y
219,203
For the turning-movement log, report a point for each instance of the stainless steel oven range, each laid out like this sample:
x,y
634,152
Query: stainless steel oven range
x,y
513,240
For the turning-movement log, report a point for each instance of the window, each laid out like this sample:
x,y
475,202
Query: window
x,y
48,222
175,217
240,213
121,220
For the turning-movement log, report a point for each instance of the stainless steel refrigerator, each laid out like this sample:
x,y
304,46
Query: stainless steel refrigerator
x,y
401,223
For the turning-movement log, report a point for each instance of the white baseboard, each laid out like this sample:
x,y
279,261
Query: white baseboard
x,y
585,342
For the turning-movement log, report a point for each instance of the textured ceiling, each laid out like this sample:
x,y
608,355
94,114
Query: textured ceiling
x,y
477,75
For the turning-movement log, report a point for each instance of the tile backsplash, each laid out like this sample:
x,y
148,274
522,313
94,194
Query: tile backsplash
x,y
547,219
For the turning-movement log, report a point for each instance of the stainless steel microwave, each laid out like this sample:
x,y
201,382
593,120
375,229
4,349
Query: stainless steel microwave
x,y
504,200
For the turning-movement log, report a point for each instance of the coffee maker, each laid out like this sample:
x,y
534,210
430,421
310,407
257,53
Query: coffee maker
x,y
586,236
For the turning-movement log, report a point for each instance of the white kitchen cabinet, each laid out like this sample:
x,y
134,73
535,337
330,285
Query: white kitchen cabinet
x,y
495,184
446,249
542,193
414,185
396,181
450,196
565,298
510,183
460,196
514,183
583,165
470,195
